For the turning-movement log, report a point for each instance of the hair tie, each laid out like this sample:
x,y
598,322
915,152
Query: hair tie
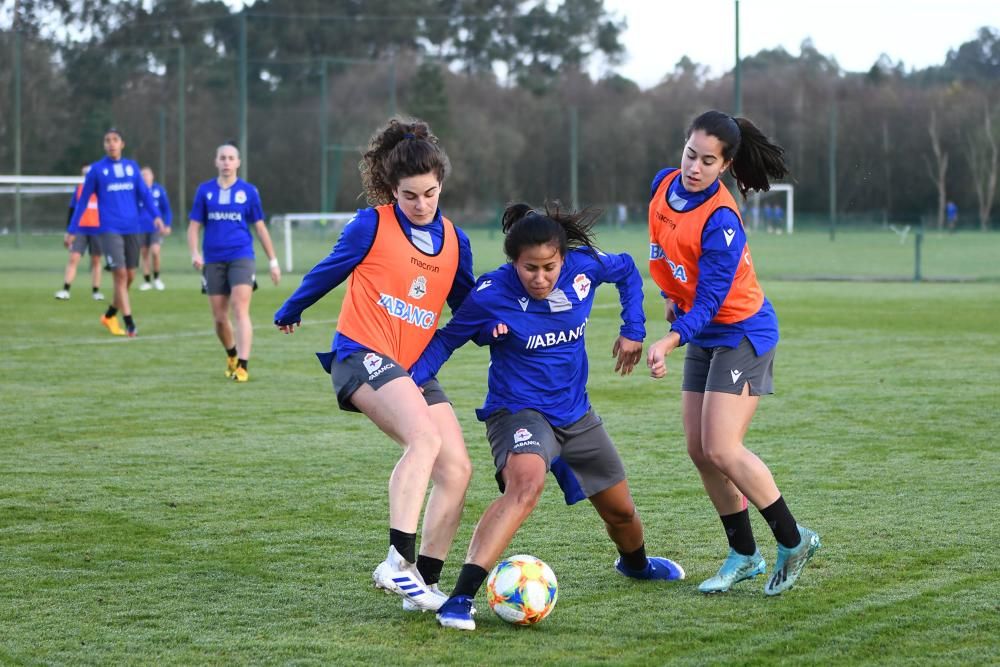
x,y
409,135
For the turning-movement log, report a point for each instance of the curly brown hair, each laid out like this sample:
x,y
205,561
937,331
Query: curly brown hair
x,y
403,148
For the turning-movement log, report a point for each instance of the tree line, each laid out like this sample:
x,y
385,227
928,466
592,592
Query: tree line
x,y
505,87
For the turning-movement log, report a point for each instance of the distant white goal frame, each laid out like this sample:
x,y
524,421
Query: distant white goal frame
x,y
286,220
789,191
38,185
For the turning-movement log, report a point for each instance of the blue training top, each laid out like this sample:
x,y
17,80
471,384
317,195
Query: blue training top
x,y
162,209
542,362
119,188
351,248
716,271
228,214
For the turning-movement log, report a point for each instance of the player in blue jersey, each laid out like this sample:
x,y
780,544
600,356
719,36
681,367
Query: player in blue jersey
x,y
151,236
227,207
699,257
533,313
119,188
405,253
87,240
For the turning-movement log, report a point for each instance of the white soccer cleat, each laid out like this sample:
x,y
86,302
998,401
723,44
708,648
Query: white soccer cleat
x,y
97,296
62,295
397,575
158,284
145,287
438,597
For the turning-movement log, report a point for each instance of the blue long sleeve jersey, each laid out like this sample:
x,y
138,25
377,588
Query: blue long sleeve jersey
x,y
119,188
162,209
351,248
542,362
716,271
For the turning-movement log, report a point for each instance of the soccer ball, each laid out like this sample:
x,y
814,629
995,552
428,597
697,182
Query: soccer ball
x,y
521,590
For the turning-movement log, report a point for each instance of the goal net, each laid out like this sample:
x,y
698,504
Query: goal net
x,y
35,204
303,234
772,211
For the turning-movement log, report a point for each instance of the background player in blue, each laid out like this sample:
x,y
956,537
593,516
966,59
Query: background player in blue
x,y
699,257
87,240
227,207
403,237
119,188
533,312
151,236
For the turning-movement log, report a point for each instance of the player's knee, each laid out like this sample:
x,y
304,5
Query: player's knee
x,y
525,490
698,456
619,517
718,456
425,444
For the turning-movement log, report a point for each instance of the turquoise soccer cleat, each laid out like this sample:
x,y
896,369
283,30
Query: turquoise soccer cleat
x,y
738,567
790,562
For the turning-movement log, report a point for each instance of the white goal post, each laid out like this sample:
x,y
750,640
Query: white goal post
x,y
334,221
38,185
755,199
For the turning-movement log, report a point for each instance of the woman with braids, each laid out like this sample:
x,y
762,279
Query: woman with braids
x,y
402,261
533,313
700,259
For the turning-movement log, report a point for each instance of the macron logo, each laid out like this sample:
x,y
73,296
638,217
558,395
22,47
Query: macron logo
x,y
484,285
730,234
736,375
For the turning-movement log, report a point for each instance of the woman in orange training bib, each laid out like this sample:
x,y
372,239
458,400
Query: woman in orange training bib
x,y
699,257
402,261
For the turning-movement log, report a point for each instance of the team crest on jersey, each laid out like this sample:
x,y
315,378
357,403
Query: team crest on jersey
x,y
419,287
209,195
521,435
581,285
129,171
156,193
241,197
372,362
105,172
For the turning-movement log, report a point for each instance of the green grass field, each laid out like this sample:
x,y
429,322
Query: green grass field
x,y
152,512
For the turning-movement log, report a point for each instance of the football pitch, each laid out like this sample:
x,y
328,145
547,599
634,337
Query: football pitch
x,y
152,512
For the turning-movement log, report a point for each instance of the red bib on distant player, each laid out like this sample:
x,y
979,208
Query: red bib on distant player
x,y
396,294
675,248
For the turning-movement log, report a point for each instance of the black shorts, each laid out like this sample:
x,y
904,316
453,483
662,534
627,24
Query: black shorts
x,y
220,277
584,446
727,369
374,369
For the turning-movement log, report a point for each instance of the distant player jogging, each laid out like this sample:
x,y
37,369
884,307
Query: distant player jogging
x,y
119,188
699,257
533,313
151,236
227,207
402,260
87,239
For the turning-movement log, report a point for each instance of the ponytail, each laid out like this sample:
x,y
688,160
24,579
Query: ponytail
x,y
401,149
525,227
755,158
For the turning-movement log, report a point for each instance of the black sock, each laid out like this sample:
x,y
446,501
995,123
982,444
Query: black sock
x,y
430,569
782,523
242,363
112,311
66,286
94,289
231,351
405,543
129,323
156,275
145,277
635,561
470,580
739,533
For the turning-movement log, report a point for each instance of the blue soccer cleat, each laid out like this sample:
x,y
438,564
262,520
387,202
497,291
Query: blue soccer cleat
x,y
656,568
790,562
457,613
738,567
